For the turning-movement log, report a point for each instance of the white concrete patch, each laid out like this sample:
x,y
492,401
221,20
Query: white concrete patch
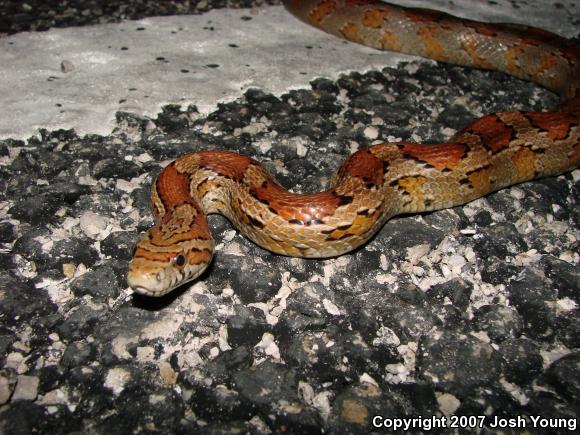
x,y
116,67
79,77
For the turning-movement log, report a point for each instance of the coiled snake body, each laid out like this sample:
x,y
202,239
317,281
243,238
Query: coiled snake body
x,y
381,181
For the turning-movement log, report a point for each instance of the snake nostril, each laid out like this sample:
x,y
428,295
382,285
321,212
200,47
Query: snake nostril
x,y
160,276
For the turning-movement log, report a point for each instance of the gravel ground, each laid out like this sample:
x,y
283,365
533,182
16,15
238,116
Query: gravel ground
x,y
469,311
37,15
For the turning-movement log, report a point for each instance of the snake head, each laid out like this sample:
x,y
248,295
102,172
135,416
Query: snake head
x,y
159,274
169,255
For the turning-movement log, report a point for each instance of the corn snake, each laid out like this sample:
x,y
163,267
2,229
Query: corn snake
x,y
379,182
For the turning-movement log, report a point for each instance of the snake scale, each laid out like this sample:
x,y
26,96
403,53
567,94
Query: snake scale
x,y
381,181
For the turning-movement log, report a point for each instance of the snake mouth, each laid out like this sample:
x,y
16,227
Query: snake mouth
x,y
145,291
146,286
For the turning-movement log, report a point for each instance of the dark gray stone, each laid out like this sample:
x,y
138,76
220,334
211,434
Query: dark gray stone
x,y
563,376
500,322
521,360
457,363
101,282
7,232
21,302
119,244
499,240
266,383
246,328
529,294
78,354
565,276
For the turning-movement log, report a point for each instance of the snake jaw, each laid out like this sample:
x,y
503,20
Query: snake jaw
x,y
158,281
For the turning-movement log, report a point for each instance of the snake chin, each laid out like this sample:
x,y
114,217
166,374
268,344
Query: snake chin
x,y
158,283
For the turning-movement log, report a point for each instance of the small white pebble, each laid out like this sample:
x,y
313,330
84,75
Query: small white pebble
x,y
371,132
330,307
227,292
93,224
116,379
567,304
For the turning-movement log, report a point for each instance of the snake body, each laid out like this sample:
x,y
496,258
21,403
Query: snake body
x,y
379,182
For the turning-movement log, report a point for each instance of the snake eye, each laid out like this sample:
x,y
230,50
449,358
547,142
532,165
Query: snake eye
x,y
179,260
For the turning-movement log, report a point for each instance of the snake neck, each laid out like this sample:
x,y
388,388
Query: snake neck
x,y
179,247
